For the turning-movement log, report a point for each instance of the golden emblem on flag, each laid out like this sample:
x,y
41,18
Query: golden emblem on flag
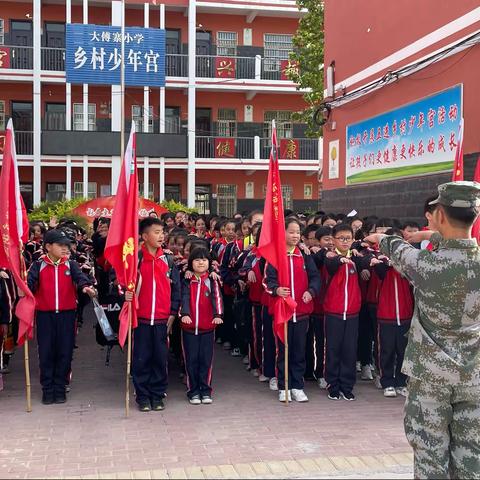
x,y
128,250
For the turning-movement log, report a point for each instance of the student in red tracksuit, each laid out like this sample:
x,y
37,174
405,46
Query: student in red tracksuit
x,y
394,315
55,281
342,306
158,301
201,312
303,287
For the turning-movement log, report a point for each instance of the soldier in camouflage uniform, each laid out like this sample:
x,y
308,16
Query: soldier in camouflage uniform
x,y
442,410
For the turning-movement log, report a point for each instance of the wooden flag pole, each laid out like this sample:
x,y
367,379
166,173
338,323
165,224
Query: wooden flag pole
x,y
27,376
129,361
285,327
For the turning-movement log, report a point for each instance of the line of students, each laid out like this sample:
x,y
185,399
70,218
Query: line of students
x,y
206,282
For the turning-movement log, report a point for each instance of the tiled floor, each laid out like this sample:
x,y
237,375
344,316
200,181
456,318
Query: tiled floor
x,y
245,433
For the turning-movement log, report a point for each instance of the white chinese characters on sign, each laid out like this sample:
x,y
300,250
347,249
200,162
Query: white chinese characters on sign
x,y
116,37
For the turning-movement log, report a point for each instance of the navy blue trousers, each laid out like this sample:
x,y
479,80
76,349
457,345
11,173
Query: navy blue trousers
x,y
198,354
150,362
56,339
268,345
341,337
315,347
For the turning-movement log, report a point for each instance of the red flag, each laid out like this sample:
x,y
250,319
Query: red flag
x,y
457,175
121,249
476,225
272,245
14,234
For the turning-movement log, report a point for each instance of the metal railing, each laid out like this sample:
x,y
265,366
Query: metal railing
x,y
244,148
176,65
21,58
54,121
53,59
24,142
307,148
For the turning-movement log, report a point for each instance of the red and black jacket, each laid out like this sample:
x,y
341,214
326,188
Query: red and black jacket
x,y
395,301
55,285
158,287
343,296
303,276
227,266
202,302
253,263
318,301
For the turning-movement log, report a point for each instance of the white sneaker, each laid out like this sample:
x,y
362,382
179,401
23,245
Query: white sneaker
x,y
366,373
263,378
299,395
245,360
235,352
219,340
255,372
227,345
389,392
378,383
281,396
402,391
358,366
322,383
273,384
195,400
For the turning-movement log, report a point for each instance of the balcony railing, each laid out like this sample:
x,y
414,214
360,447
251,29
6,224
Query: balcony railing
x,y
24,142
207,66
245,148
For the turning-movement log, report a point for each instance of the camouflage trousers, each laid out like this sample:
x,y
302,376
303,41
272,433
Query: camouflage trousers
x,y
442,425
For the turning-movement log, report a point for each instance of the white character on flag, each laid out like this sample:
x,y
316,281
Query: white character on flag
x,y
134,59
98,56
115,58
151,57
80,57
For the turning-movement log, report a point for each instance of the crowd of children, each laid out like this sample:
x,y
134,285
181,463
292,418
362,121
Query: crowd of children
x,y
202,281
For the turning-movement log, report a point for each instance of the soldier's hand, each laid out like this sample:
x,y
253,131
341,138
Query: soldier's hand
x,y
375,238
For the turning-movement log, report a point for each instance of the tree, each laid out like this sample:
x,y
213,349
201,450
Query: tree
x,y
308,55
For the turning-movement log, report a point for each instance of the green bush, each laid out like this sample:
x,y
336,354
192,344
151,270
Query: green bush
x,y
173,207
62,209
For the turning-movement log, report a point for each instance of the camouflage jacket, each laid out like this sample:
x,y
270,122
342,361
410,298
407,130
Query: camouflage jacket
x,y
444,339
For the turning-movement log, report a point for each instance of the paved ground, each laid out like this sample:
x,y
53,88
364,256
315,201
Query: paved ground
x,y
245,433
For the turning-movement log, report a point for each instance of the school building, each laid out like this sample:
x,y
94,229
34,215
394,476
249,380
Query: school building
x,y
205,135
399,76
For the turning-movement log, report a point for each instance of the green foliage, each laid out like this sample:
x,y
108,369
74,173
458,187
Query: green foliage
x,y
309,47
174,207
63,209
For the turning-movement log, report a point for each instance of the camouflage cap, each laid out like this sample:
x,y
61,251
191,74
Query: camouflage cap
x,y
458,194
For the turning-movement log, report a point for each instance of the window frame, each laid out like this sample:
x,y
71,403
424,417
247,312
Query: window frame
x,y
78,192
283,122
77,119
2,31
227,127
227,47
139,118
2,116
273,56
227,201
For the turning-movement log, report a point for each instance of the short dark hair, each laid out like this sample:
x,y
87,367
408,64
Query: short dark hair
x,y
146,223
323,232
461,216
427,208
290,220
385,222
342,227
313,227
394,231
254,212
410,223
196,253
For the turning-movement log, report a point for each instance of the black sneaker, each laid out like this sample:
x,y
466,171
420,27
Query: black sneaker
x,y
47,398
60,397
158,405
144,406
349,396
334,395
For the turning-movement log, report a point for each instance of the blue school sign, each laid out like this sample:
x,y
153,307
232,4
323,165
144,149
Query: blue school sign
x,y
93,55
416,139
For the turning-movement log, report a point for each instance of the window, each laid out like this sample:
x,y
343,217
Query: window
x,y
277,47
105,190
227,200
227,122
78,190
56,192
287,197
2,31
55,116
78,116
227,44
141,190
2,115
283,121
137,116
172,192
172,120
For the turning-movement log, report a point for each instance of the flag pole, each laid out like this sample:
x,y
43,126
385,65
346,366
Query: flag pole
x,y
285,329
129,361
122,157
28,386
